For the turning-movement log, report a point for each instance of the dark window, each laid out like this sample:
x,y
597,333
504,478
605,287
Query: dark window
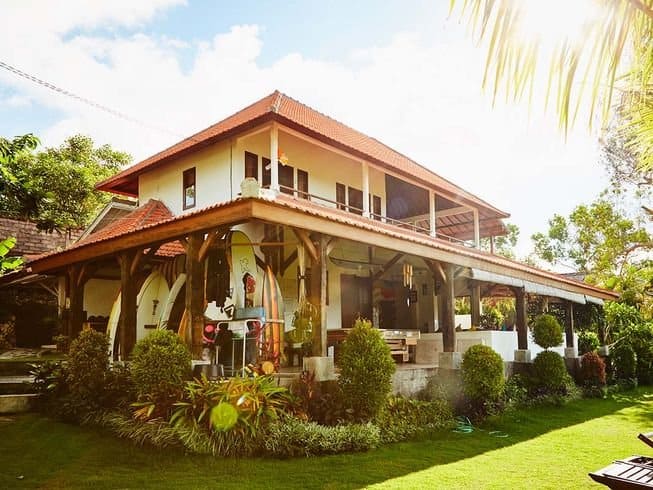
x,y
286,179
340,196
189,188
376,207
251,165
355,200
302,184
267,172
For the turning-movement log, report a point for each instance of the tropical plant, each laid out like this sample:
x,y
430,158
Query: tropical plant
x,y
7,263
243,405
366,369
404,418
624,362
592,372
547,331
482,372
640,338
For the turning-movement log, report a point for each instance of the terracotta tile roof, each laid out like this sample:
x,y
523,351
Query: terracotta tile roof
x,y
345,217
303,118
150,213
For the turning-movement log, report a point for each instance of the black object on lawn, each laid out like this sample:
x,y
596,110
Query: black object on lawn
x,y
629,473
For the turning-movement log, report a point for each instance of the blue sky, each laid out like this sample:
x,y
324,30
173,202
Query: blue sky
x,y
401,71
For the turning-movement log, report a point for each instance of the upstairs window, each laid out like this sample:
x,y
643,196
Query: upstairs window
x,y
267,173
251,165
376,206
189,188
355,200
341,193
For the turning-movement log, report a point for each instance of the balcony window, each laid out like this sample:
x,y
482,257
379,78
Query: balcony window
x,y
189,188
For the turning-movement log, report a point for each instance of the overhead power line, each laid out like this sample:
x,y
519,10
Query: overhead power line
x,y
84,100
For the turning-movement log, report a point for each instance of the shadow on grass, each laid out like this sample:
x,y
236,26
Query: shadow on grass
x,y
50,454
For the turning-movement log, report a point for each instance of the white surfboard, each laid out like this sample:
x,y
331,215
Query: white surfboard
x,y
112,326
150,303
170,300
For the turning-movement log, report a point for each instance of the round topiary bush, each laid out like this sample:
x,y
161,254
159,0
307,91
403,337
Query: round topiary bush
x,y
159,365
549,372
624,362
366,370
482,373
588,341
592,370
87,370
547,331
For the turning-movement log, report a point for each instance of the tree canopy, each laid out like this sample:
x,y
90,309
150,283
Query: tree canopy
x,y
55,187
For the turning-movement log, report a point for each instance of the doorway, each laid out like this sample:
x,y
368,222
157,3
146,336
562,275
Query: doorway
x,y
356,299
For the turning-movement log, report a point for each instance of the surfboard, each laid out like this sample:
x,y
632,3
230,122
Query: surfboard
x,y
243,267
150,303
274,314
170,301
112,325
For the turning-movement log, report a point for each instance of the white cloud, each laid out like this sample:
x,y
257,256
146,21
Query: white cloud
x,y
420,96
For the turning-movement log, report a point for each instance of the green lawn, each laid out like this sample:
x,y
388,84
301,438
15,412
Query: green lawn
x,y
546,448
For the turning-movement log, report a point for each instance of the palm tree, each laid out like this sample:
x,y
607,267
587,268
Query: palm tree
x,y
608,64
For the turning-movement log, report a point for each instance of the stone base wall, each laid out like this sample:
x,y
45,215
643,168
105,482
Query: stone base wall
x,y
409,382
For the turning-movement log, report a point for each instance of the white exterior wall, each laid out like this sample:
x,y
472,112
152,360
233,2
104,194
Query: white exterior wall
x,y
212,171
220,169
99,295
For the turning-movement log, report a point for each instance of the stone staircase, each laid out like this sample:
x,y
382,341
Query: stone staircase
x,y
16,392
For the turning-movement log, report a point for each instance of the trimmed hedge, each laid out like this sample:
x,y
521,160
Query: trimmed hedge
x,y
549,372
482,373
547,331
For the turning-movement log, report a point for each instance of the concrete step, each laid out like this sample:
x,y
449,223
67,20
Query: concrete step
x,y
17,403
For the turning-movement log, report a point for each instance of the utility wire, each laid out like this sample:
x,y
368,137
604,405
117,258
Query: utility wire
x,y
84,100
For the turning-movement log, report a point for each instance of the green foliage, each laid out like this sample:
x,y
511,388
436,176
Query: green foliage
x,y
292,437
588,341
366,370
88,368
56,187
321,401
7,263
482,372
549,373
620,316
160,364
242,405
592,370
504,245
51,386
402,418
547,331
640,338
515,392
624,362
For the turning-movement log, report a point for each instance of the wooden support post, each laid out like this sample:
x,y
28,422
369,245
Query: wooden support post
x,y
569,324
447,310
303,237
475,302
521,307
323,296
477,229
274,157
366,188
128,261
432,217
76,297
194,294
385,268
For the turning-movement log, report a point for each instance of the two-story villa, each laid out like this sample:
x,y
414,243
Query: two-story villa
x,y
362,228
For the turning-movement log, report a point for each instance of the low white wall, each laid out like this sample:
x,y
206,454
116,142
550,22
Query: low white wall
x,y
505,343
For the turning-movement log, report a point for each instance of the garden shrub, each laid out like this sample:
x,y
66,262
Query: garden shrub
x,y
7,335
160,363
624,362
321,401
482,374
588,341
87,370
547,331
515,392
366,370
549,373
404,418
292,437
640,339
51,386
591,375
